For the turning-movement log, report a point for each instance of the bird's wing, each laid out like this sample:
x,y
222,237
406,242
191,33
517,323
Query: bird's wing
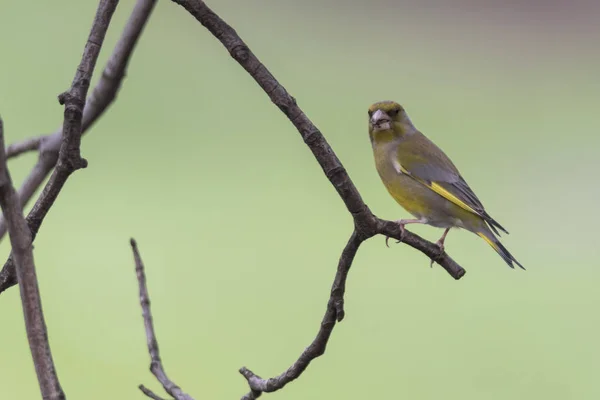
x,y
425,162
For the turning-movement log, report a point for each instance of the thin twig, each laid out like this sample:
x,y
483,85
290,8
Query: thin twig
x,y
24,146
155,362
20,240
333,314
149,393
101,97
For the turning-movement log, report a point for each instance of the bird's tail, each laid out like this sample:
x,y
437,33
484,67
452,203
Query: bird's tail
x,y
489,237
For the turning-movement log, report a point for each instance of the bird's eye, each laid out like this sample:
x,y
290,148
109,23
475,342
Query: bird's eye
x,y
370,113
393,113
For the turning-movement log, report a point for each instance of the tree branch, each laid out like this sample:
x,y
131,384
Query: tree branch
x,y
155,362
431,250
20,239
365,222
101,97
150,393
333,314
63,150
24,146
20,231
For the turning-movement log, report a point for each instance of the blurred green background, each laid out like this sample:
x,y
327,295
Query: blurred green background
x,y
241,232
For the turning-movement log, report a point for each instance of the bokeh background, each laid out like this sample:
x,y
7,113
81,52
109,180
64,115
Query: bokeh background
x,y
241,232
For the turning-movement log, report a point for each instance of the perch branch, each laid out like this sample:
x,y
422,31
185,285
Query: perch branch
x,y
333,314
155,362
366,223
101,97
20,240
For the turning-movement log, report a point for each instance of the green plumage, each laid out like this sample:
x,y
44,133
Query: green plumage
x,y
423,180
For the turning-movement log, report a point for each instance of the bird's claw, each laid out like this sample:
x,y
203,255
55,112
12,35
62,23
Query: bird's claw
x,y
402,230
387,238
440,245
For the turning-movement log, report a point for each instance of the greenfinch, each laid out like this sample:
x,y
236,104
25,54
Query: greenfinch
x,y
423,180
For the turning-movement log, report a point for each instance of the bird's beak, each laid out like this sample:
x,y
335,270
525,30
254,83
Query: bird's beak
x,y
381,121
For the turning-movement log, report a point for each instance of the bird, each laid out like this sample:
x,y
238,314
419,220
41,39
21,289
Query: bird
x,y
425,182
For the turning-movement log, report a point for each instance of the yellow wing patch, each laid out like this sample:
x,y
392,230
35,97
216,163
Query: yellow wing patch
x,y
442,192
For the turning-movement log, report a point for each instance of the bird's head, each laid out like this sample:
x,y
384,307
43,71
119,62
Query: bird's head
x,y
388,121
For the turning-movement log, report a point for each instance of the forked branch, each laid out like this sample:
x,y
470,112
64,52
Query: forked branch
x,y
21,235
48,146
365,222
61,151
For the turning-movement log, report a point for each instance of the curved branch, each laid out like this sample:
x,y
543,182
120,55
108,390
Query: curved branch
x,y
333,314
101,97
367,224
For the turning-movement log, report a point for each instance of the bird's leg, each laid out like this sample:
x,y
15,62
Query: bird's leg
x,y
440,244
401,223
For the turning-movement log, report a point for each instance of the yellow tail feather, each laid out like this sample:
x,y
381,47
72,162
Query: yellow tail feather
x,y
489,241
500,249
